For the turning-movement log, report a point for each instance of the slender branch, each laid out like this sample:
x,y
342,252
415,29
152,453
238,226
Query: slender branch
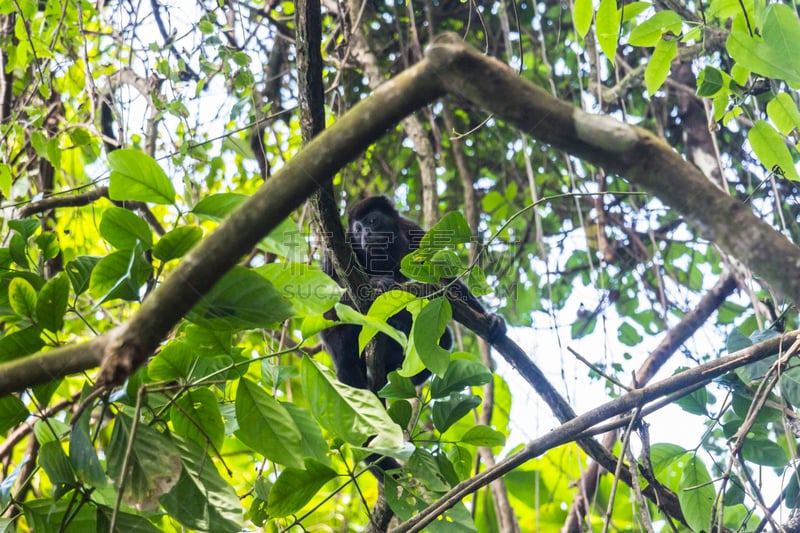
x,y
698,376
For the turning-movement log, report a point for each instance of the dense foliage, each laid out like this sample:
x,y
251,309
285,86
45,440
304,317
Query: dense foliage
x,y
130,133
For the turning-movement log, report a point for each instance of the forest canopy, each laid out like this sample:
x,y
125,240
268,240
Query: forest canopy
x,y
615,182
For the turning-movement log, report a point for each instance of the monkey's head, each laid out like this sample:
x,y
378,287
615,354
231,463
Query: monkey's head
x,y
377,236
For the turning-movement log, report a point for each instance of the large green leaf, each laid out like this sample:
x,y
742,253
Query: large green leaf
x,y
12,413
174,361
202,499
196,416
607,23
310,290
296,486
784,113
429,326
696,494
242,299
218,206
119,275
650,32
777,53
352,414
176,243
461,373
768,145
123,229
79,272
266,426
448,412
83,456
52,303
137,176
20,343
312,442
22,297
582,12
660,63
153,462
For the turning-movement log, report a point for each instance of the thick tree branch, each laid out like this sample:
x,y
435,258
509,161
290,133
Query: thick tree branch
x,y
630,151
317,163
450,65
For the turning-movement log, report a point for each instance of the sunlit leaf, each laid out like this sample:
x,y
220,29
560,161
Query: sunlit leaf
x,y
137,176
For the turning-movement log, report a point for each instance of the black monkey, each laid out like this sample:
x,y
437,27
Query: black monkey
x,y
380,238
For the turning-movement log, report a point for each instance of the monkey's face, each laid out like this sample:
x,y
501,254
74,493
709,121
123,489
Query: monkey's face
x,y
378,242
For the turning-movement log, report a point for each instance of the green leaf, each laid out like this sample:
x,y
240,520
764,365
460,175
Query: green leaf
x,y
737,341
695,403
310,290
52,303
5,180
218,206
352,414
385,306
696,494
483,436
54,462
607,22
177,243
126,522
242,299
784,113
173,362
20,343
312,442
424,469
774,55
18,247
628,335
401,412
12,413
429,327
119,275
461,373
265,425
582,16
405,500
763,451
398,387
83,456
79,272
123,229
451,230
196,416
448,412
650,32
202,499
770,149
659,65
153,461
26,227
790,385
22,298
136,176
709,82
461,459
295,487
47,242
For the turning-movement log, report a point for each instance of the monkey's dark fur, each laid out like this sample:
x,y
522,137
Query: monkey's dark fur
x,y
380,238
